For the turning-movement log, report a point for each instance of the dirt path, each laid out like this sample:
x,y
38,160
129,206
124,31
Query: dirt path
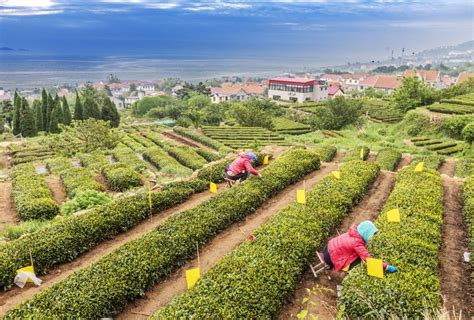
x,y
324,296
163,292
7,211
183,140
454,274
448,167
371,157
15,296
405,161
57,188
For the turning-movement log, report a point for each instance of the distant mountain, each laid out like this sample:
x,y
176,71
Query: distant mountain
x,y
6,49
462,51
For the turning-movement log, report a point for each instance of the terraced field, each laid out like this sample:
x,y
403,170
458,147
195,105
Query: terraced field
x,y
381,111
244,137
439,146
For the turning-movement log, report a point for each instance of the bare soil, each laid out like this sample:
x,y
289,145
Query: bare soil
x,y
405,161
372,156
182,140
7,209
163,292
409,143
324,298
448,167
454,273
57,188
15,296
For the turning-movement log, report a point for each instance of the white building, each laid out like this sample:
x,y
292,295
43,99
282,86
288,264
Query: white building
x,y
297,89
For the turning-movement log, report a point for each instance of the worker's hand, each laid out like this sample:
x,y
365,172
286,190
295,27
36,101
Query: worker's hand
x,y
391,269
259,175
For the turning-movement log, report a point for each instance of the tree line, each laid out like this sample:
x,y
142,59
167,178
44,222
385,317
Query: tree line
x,y
48,114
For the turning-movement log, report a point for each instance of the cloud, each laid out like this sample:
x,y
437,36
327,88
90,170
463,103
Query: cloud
x,y
164,6
27,12
27,3
218,5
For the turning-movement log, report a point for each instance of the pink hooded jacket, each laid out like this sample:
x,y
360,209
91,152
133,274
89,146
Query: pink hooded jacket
x,y
242,163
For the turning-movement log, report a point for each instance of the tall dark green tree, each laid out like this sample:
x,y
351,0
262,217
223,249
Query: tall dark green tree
x,y
57,105
67,119
90,109
6,112
27,120
38,113
44,110
78,112
53,122
110,113
48,111
16,113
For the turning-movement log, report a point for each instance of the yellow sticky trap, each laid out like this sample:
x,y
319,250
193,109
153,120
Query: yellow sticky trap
x,y
362,153
213,187
375,267
266,160
393,215
300,196
336,174
27,269
419,167
192,276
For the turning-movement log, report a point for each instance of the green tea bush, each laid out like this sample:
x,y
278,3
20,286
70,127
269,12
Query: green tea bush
x,y
326,152
209,156
468,194
388,159
253,281
430,161
453,125
124,154
412,245
107,285
166,164
354,154
14,231
85,200
132,144
193,135
120,177
93,161
31,195
186,156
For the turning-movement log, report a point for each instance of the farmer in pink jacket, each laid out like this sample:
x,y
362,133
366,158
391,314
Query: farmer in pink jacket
x,y
242,167
347,250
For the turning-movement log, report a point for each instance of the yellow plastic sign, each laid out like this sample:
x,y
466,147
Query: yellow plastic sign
x,y
362,153
27,269
300,196
192,276
375,267
419,167
266,160
393,215
336,174
213,187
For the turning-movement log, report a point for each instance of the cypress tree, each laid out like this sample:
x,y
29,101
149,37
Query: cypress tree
x,y
16,114
110,113
2,124
78,112
27,120
53,123
66,113
44,110
90,109
49,109
38,112
57,105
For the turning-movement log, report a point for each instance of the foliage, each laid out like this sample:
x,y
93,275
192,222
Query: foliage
x,y
250,116
326,152
110,113
67,117
120,177
201,138
355,154
388,159
166,164
286,126
451,108
31,195
90,108
244,137
336,114
468,133
85,200
453,125
190,90
413,93
78,111
415,123
432,162
468,195
124,154
146,104
186,156
17,104
27,120
104,287
252,281
208,155
93,161
14,231
412,245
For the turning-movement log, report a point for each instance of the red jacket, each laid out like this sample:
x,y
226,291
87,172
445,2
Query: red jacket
x,y
346,248
242,163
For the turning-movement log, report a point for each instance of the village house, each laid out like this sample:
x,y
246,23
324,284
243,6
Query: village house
x,y
297,89
334,91
236,92
464,76
386,83
431,77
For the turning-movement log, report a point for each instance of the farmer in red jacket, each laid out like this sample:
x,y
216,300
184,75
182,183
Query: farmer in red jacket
x,y
347,250
242,167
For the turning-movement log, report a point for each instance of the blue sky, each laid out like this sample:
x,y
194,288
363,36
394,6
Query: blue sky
x,y
347,30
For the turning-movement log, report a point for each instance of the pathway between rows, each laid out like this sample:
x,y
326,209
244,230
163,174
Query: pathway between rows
x,y
57,188
448,167
175,138
7,212
324,296
15,296
405,161
163,292
454,273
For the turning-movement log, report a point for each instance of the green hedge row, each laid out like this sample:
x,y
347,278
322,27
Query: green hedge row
x,y
388,159
166,164
419,139
412,245
65,240
430,161
120,177
21,160
253,281
201,138
326,152
427,142
132,144
103,288
124,154
464,168
74,179
186,156
93,161
451,150
31,194
141,140
354,154
468,194
209,156
457,101
441,146
451,108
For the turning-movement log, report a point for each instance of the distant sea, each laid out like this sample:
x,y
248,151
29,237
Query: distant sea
x,y
26,70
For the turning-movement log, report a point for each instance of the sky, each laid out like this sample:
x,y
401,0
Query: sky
x,y
354,30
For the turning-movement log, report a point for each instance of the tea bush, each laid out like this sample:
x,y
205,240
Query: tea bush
x,y
388,159
120,177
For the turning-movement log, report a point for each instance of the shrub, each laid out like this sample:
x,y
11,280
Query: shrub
x,y
430,161
252,281
31,194
85,200
326,152
388,159
415,123
186,156
124,154
120,177
104,287
14,231
193,135
93,161
354,154
166,164
412,245
209,156
468,133
453,125
468,194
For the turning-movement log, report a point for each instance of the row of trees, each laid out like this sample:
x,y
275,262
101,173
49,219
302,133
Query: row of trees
x,y
48,114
